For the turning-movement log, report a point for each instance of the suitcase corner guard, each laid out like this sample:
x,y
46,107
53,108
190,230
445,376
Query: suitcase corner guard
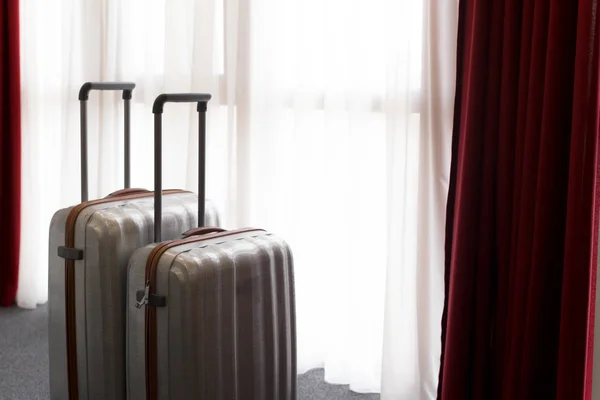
x,y
69,253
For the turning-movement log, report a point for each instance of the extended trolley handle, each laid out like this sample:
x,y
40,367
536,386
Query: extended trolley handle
x,y
86,88
157,109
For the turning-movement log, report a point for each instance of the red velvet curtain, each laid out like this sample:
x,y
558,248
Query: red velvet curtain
x,y
522,207
10,151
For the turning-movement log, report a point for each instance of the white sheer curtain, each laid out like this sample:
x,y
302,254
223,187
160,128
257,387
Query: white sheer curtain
x,y
330,125
68,42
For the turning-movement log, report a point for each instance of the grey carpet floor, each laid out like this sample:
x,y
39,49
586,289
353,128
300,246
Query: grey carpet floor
x,y
24,362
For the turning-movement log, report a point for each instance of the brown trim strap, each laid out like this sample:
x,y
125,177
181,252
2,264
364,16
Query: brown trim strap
x,y
71,222
150,278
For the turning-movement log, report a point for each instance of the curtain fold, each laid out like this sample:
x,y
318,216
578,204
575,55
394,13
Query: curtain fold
x,y
416,377
522,209
10,150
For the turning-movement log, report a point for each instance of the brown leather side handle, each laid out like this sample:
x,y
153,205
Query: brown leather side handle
x,y
202,231
126,192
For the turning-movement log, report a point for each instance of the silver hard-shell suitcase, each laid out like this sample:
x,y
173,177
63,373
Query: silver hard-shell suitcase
x,y
89,248
211,315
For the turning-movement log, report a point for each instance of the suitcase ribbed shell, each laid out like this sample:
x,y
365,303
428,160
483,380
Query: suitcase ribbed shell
x,y
227,330
108,233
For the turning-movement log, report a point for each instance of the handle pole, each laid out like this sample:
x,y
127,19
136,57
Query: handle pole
x,y
127,161
201,162
84,158
157,177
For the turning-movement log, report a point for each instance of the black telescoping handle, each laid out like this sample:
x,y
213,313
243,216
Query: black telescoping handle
x,y
86,88
157,109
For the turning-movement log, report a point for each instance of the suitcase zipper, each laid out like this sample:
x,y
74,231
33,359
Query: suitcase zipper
x,y
72,377
150,287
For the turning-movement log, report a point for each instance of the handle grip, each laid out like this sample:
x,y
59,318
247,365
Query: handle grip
x,y
202,231
127,88
202,100
126,192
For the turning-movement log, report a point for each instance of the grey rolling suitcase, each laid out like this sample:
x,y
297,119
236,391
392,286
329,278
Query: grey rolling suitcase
x,y
211,315
89,248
